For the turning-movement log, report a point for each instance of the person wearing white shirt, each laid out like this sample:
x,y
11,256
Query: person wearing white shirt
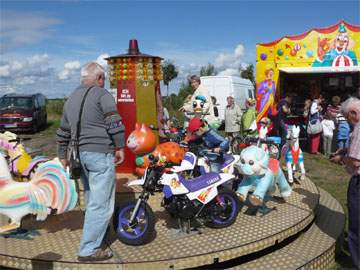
x,y
315,110
327,135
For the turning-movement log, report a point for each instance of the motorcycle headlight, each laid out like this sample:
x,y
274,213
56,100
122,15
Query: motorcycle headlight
x,y
27,119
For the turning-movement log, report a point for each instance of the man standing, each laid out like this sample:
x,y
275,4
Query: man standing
x,y
101,135
351,157
233,115
283,108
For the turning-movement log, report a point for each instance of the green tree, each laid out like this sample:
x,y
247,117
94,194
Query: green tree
x,y
169,73
248,73
208,70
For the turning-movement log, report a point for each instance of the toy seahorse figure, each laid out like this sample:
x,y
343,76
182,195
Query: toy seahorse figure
x,y
142,142
21,163
50,188
261,173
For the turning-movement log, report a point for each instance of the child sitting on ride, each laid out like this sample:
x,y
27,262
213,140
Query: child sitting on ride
x,y
200,132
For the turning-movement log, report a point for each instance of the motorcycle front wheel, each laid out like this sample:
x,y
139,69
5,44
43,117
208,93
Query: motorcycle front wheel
x,y
142,229
223,210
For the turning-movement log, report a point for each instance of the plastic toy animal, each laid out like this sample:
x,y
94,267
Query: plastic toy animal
x,y
294,156
142,142
49,189
261,173
21,164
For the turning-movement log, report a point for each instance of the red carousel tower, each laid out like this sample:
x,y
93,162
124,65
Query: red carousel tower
x,y
136,76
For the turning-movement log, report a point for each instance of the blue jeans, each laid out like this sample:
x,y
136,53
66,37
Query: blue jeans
x,y
353,202
343,143
98,177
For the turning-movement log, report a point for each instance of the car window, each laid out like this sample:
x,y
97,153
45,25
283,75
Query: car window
x,y
18,102
36,103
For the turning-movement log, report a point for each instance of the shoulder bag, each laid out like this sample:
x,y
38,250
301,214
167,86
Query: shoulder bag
x,y
314,125
74,153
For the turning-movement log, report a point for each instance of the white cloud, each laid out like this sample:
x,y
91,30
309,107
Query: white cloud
x,y
34,66
4,71
230,60
23,28
101,61
70,70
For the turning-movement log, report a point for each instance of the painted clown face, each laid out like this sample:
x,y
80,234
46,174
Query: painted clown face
x,y
341,42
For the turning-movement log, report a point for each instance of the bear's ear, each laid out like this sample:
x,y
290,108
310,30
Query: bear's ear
x,y
137,126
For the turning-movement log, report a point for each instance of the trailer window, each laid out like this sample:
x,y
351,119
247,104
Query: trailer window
x,y
250,92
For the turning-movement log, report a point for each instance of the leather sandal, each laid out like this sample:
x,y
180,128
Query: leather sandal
x,y
99,255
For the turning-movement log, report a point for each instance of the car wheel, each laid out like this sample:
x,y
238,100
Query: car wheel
x,y
34,128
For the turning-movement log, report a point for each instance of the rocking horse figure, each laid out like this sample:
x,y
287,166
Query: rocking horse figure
x,y
294,156
49,191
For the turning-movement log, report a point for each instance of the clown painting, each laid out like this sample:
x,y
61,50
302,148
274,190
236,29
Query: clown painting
x,y
337,53
266,96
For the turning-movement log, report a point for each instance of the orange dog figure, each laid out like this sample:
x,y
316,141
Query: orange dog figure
x,y
142,142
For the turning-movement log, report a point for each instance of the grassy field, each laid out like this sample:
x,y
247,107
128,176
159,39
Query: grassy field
x,y
331,177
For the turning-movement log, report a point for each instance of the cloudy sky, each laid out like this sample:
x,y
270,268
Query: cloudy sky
x,y
43,44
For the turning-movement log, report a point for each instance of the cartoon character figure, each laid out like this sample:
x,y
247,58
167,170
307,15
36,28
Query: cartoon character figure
x,y
22,165
201,110
50,188
261,173
340,54
266,96
142,142
294,156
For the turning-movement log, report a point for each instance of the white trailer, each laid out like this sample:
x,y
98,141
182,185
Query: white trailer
x,y
223,86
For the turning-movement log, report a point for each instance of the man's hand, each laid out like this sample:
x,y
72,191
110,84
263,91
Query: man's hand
x,y
337,159
119,156
64,162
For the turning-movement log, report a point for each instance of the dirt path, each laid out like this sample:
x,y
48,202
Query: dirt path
x,y
43,140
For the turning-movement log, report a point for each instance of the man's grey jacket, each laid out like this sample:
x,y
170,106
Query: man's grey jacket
x,y
101,127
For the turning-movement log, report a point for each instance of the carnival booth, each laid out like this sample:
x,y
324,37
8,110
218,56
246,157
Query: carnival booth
x,y
136,78
322,60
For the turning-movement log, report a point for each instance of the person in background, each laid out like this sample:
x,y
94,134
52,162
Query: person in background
x,y
199,131
307,105
315,114
233,115
328,132
101,146
283,108
199,90
216,111
248,119
334,108
351,157
343,131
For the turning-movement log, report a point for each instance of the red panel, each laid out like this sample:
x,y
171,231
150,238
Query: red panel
x,y
126,105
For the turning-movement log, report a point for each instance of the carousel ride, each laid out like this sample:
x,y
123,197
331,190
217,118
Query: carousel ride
x,y
271,225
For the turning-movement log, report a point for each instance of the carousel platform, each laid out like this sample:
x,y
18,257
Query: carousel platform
x,y
300,232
